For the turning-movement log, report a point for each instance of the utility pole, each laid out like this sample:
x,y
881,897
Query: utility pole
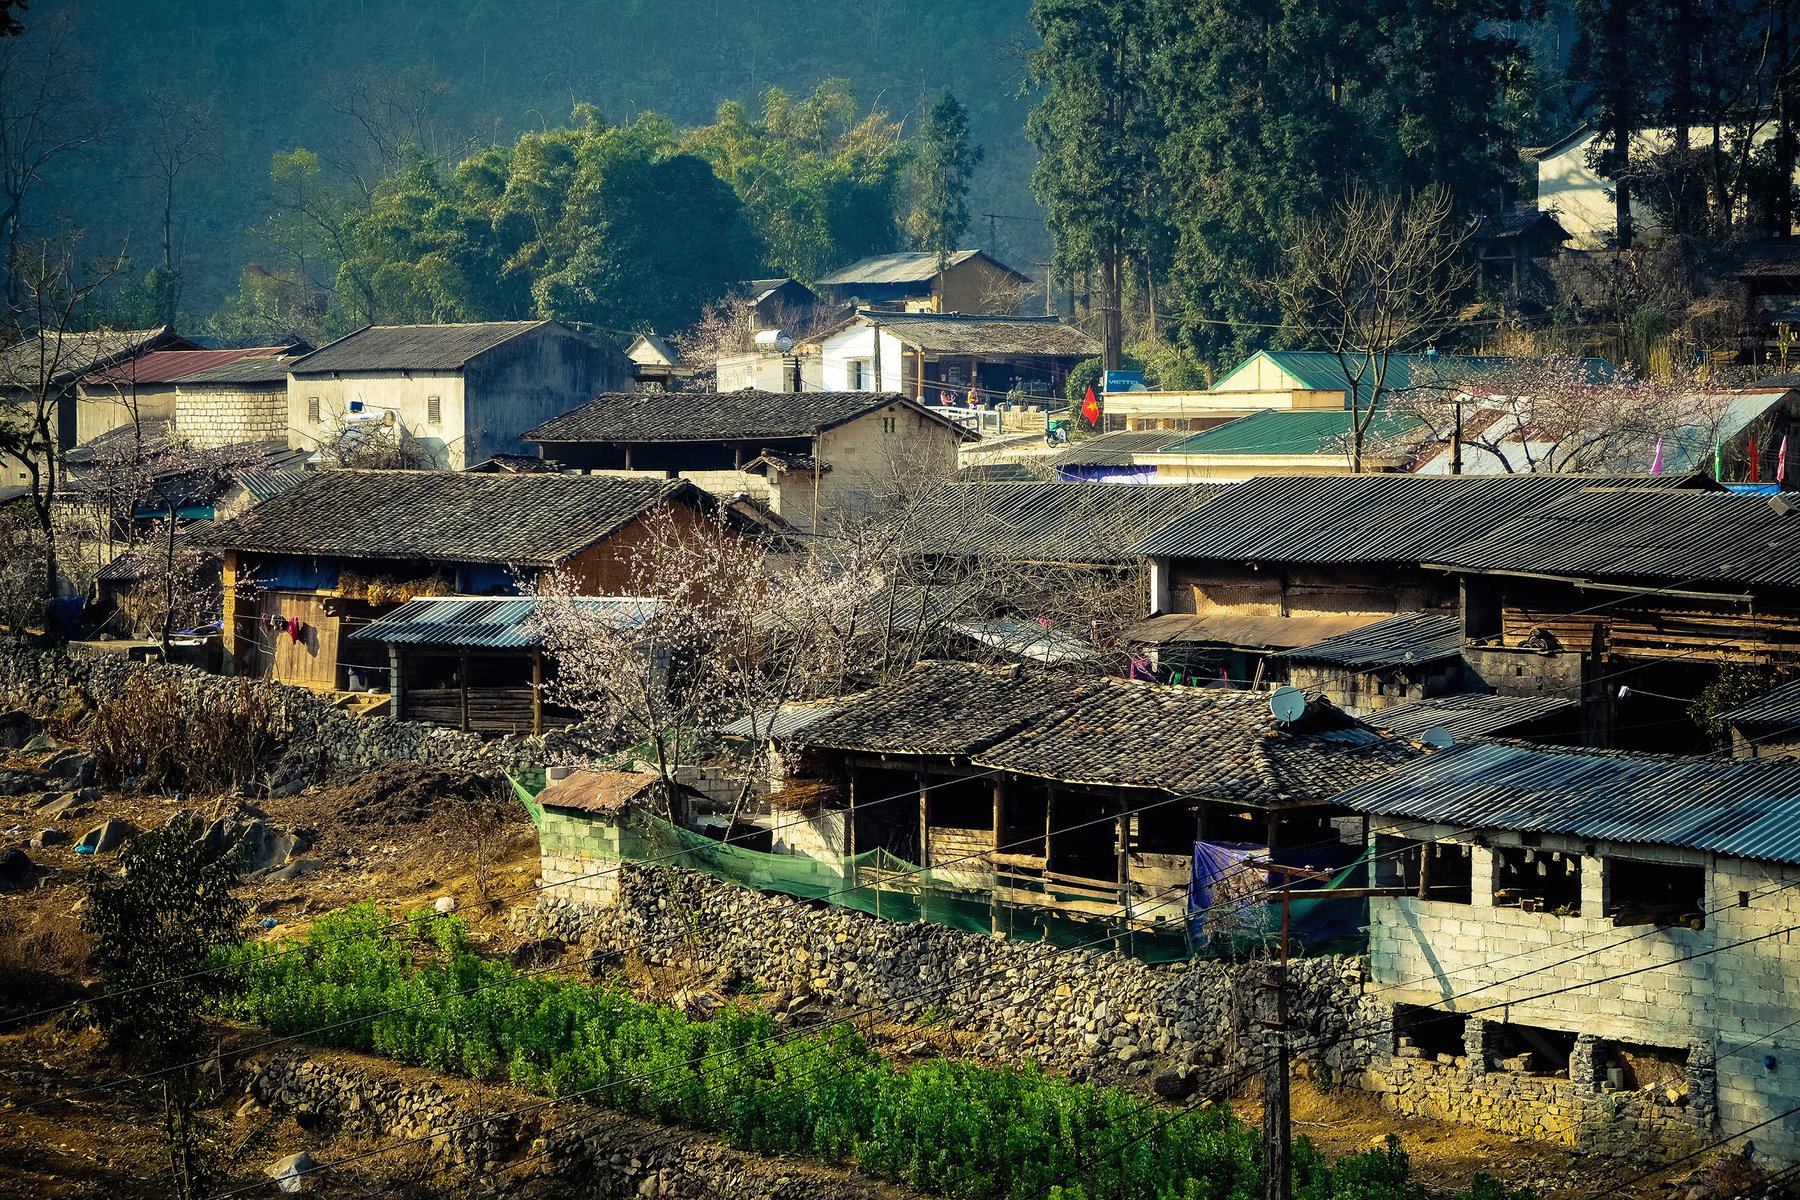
x,y
1278,1125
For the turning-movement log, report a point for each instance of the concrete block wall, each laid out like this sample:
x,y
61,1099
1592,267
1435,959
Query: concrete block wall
x,y
210,418
578,859
1723,993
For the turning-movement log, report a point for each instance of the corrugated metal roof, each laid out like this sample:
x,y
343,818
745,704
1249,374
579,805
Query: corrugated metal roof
x,y
1050,522
1299,431
957,333
1408,639
268,370
1469,715
411,347
266,483
66,355
1743,807
1367,518
1116,449
1638,534
1777,709
167,366
486,622
788,719
908,266
1250,631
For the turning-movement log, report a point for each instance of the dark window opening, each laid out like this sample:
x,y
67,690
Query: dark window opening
x,y
1428,1033
886,812
1164,829
960,803
1630,1067
1537,880
1022,820
1532,1050
1083,842
1645,893
1243,826
1442,871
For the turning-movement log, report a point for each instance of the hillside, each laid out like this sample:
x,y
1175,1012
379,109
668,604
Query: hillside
x,y
282,74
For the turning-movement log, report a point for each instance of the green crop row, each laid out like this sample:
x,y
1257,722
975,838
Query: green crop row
x,y
940,1126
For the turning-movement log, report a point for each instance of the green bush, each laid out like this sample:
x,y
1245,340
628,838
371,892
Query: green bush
x,y
951,1128
1083,375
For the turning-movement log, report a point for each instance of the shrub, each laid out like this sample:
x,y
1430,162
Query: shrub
x,y
1083,375
157,733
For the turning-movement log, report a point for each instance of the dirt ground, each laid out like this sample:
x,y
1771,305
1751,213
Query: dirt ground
x,y
402,837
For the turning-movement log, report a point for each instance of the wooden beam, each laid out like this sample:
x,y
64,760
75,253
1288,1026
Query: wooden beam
x,y
537,689
463,678
924,822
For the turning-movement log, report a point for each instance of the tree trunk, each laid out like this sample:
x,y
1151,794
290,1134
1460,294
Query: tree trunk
x,y
1113,343
1618,22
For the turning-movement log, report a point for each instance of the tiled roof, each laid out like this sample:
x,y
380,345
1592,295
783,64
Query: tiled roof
x,y
1406,640
908,266
67,355
746,415
168,366
956,333
1050,522
486,622
1367,518
1277,431
1776,709
1207,744
1469,715
1743,807
411,347
447,516
1665,535
267,369
1515,221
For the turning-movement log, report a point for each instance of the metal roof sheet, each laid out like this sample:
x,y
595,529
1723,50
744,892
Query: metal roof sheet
x,y
1252,631
907,266
787,720
747,415
1066,522
1776,709
1641,534
1408,639
168,366
412,347
485,622
1277,431
1367,518
1469,715
1743,807
1116,449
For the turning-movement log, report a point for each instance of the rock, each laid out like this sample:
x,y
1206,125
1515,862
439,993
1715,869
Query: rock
x,y
18,783
39,743
68,804
290,1173
105,837
1174,1085
49,837
293,870
15,869
75,766
248,1110
16,728
445,906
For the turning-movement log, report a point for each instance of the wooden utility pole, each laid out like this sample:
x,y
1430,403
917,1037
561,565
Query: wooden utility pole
x,y
1278,1125
875,327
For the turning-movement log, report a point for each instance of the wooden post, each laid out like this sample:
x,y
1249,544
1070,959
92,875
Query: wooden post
x,y
463,678
875,327
924,822
1049,820
537,689
1124,851
1424,871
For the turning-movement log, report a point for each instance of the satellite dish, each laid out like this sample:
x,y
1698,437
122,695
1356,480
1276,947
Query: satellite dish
x,y
1439,737
1288,704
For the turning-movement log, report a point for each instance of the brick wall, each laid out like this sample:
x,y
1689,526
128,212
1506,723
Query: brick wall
x,y
223,417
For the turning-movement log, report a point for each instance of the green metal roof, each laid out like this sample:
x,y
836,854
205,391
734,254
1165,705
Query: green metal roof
x,y
1281,431
1320,370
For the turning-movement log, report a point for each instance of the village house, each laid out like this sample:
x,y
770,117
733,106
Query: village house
x,y
1081,793
1513,249
141,389
1404,659
239,402
807,456
1285,442
910,281
1765,726
306,569
943,358
1668,584
778,304
1589,947
461,393
47,366
1281,562
656,363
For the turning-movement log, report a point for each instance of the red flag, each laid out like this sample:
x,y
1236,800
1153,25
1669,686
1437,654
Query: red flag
x,y
1090,407
1755,462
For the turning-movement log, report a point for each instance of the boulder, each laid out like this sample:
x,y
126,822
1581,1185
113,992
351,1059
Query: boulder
x,y
60,805
76,767
105,837
15,869
16,728
18,783
49,837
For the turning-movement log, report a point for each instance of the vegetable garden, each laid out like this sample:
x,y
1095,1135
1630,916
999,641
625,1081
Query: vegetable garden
x,y
952,1128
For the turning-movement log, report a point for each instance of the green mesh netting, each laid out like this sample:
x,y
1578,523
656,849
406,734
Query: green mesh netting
x,y
884,885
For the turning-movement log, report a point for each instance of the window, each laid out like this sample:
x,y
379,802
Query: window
x,y
1532,1049
857,373
1428,1033
1645,893
434,410
1537,880
312,409
1442,871
889,424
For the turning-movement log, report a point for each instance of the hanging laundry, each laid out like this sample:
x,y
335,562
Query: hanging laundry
x,y
294,628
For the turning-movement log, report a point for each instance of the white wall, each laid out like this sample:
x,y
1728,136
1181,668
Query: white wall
x,y
840,350
406,395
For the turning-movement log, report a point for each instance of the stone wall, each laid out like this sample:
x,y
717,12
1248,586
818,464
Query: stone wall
x,y
1091,1013
318,740
231,415
498,1141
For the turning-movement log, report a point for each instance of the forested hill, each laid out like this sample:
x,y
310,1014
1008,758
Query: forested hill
x,y
275,75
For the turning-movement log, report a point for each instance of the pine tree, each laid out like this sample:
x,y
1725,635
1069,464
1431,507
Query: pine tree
x,y
943,162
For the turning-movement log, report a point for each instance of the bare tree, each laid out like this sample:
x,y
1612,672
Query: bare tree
x,y
45,115
1377,277
178,135
36,372
1564,414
